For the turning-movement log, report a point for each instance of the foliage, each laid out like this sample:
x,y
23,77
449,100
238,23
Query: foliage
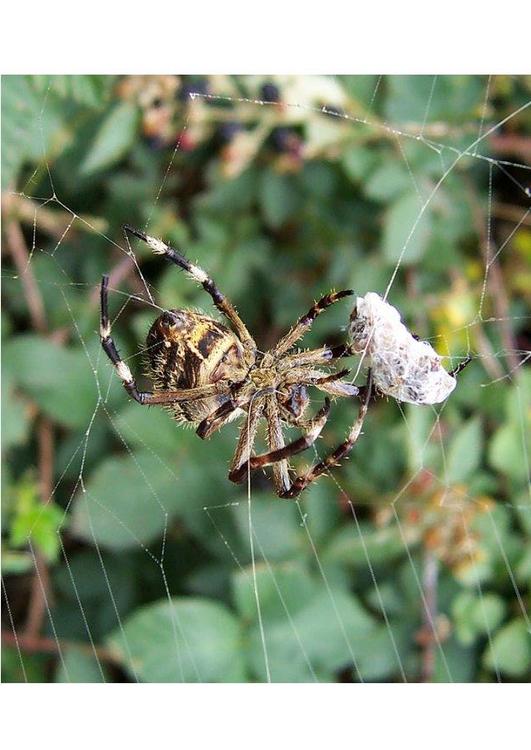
x,y
146,542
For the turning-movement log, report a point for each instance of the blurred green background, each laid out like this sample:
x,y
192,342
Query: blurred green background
x,y
125,549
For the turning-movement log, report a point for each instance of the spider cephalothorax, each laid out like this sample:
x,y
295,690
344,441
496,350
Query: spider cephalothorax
x,y
207,374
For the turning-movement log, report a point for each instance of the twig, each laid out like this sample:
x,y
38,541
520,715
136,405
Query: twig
x,y
488,356
498,295
40,588
53,222
519,145
510,213
40,645
428,643
20,255
117,274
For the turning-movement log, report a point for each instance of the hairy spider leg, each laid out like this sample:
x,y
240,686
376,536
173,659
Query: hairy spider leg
x,y
329,383
222,414
460,367
252,463
247,435
322,356
146,398
220,301
332,459
304,323
275,439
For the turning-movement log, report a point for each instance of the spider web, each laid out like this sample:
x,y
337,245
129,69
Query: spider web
x,y
452,506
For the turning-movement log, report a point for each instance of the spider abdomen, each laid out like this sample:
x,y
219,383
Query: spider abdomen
x,y
186,349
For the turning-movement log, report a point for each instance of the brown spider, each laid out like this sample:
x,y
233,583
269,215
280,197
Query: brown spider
x,y
208,375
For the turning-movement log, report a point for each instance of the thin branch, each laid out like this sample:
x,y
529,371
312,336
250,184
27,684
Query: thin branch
x,y
40,588
513,214
430,579
117,274
489,361
512,144
40,645
53,222
20,255
498,294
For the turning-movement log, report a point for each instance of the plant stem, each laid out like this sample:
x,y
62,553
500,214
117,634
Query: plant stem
x,y
39,645
430,579
40,587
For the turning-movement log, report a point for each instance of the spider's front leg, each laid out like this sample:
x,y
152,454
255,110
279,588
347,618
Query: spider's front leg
x,y
208,284
301,482
305,322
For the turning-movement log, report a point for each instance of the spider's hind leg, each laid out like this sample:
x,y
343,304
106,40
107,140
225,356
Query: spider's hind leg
x,y
332,459
240,470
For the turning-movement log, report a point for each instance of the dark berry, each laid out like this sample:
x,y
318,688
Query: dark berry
x,y
270,93
331,110
155,143
285,141
228,131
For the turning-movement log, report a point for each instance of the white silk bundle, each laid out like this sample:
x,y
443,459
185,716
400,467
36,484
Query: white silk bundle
x,y
402,367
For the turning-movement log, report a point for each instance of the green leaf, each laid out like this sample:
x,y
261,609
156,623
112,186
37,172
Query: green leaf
x,y
511,444
507,452
35,521
153,429
36,666
277,585
406,231
421,452
231,196
321,510
276,526
523,571
476,615
126,502
308,630
457,665
88,90
19,110
182,640
361,88
426,98
390,180
114,138
464,454
15,417
383,651
358,162
59,379
511,649
278,198
78,666
15,563
350,547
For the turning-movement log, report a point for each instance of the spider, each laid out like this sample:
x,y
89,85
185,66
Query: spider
x,y
207,374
